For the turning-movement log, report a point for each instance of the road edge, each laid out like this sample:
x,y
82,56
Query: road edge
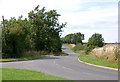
x,y
115,69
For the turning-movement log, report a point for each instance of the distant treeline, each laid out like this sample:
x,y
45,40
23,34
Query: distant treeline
x,y
40,32
73,38
95,40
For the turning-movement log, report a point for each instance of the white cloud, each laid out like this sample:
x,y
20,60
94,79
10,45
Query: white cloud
x,y
86,16
100,19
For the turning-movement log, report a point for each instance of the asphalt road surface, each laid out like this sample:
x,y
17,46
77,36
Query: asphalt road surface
x,y
65,66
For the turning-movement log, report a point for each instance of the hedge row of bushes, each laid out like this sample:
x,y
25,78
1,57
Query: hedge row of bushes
x,y
40,32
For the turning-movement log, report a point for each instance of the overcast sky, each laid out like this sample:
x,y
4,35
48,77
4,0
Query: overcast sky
x,y
85,16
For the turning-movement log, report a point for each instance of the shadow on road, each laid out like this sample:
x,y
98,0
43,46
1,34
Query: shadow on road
x,y
33,59
49,58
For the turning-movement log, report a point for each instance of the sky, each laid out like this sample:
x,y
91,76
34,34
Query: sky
x,y
85,16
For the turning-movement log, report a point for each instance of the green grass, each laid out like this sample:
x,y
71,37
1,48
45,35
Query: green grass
x,y
24,74
32,57
89,59
25,58
92,60
0,75
67,45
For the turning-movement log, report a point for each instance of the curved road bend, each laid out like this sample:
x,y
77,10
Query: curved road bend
x,y
65,66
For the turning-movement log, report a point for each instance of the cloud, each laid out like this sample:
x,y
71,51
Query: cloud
x,y
85,16
94,19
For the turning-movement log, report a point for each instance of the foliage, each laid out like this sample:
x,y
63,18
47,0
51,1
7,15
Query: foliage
x,y
45,29
67,38
73,38
41,32
89,49
96,40
93,60
79,47
16,39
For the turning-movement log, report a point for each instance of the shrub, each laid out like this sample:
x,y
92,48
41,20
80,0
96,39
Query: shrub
x,y
15,42
78,47
73,38
41,32
96,40
89,49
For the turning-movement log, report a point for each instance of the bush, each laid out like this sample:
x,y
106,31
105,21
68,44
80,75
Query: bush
x,y
73,38
41,32
96,40
15,42
81,47
78,47
89,49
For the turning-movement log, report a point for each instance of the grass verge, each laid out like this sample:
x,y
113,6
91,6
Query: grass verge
x,y
89,59
25,58
24,74
32,57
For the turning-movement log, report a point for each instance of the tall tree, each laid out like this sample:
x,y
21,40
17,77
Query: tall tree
x,y
96,40
40,32
45,29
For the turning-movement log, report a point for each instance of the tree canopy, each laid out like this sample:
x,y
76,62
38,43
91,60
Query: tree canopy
x,y
96,40
41,32
73,38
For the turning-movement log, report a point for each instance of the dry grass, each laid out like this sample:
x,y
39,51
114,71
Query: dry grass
x,y
108,52
81,51
36,53
39,53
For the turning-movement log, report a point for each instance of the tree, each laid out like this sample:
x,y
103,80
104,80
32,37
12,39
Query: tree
x,y
68,38
96,40
40,32
76,38
17,40
73,38
45,29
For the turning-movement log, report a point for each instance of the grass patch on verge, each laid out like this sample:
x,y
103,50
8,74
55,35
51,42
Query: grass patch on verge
x,y
33,57
25,58
92,60
67,45
24,74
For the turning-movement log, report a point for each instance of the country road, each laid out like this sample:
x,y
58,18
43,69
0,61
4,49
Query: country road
x,y
65,66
